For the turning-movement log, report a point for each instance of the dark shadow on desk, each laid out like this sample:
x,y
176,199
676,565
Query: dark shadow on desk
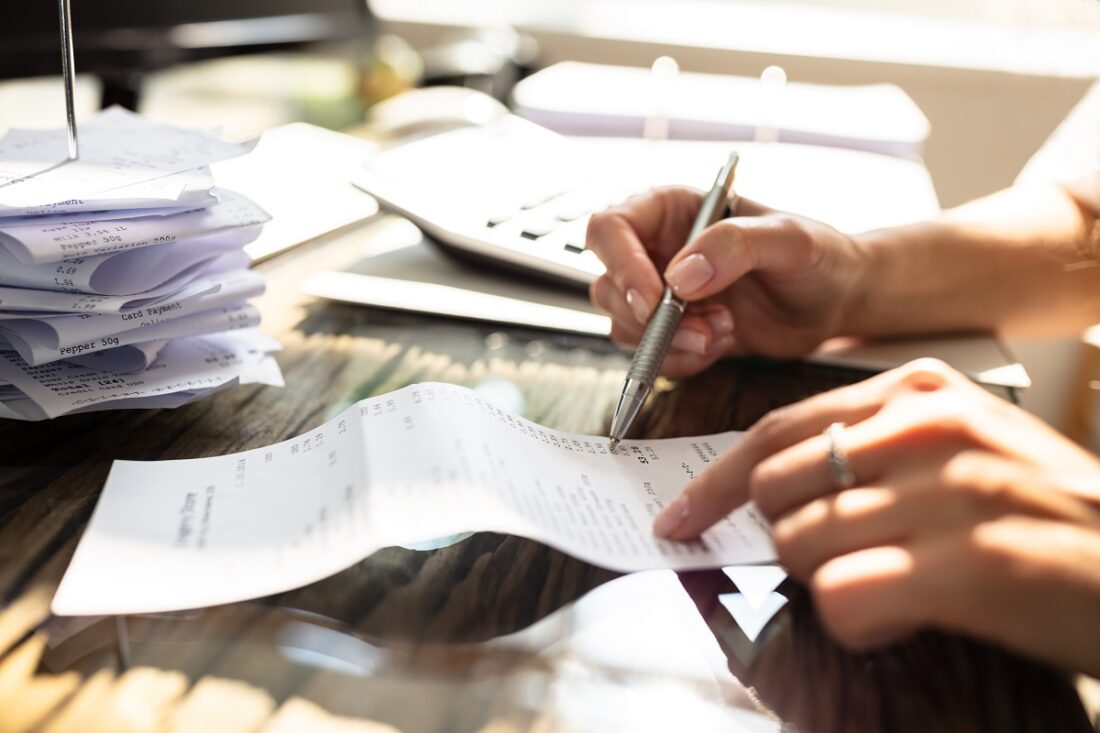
x,y
483,587
930,682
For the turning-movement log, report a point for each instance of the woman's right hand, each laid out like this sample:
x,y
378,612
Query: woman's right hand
x,y
764,282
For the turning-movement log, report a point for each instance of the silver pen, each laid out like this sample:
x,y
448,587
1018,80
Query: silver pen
x,y
662,324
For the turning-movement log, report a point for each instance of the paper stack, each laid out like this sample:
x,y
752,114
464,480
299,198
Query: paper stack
x,y
123,280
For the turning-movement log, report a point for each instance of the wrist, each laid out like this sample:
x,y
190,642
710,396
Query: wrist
x,y
871,267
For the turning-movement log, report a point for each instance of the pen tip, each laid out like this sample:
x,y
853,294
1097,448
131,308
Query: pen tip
x,y
614,443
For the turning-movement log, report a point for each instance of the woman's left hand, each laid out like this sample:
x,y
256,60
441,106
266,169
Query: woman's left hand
x,y
961,512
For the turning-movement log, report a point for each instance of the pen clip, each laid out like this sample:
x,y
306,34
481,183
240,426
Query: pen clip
x,y
715,204
725,182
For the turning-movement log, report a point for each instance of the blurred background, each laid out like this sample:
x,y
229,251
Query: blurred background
x,y
972,87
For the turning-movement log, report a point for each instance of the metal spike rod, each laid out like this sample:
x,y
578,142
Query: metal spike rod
x,y
67,64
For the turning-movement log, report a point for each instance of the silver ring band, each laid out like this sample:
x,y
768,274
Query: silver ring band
x,y
839,466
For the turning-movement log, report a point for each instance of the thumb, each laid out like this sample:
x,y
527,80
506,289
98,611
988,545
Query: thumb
x,y
758,240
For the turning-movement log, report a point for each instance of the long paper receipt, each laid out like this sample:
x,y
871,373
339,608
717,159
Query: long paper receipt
x,y
423,462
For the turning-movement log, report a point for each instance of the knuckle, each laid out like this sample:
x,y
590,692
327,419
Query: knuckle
x,y
927,374
607,237
785,539
979,474
952,416
601,231
761,481
796,233
766,431
962,468
798,239
993,550
669,197
596,291
725,243
607,296
664,196
791,549
763,440
732,233
940,418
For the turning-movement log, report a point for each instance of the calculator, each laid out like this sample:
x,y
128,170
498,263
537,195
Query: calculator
x,y
509,193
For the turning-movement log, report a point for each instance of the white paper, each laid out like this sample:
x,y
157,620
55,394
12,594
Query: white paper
x,y
316,199
177,192
13,299
43,242
752,618
19,407
44,219
241,283
124,273
22,303
124,359
63,336
227,318
260,369
184,364
426,461
756,582
118,149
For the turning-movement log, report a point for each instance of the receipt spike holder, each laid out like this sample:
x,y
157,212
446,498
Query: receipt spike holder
x,y
67,64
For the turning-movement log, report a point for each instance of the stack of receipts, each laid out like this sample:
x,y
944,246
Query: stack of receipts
x,y
123,280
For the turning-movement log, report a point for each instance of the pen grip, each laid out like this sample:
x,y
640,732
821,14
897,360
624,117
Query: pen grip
x,y
656,339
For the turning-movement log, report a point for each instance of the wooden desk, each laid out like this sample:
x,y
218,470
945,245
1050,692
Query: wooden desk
x,y
444,639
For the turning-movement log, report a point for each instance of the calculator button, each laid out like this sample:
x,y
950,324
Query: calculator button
x,y
500,215
544,197
538,226
574,231
572,210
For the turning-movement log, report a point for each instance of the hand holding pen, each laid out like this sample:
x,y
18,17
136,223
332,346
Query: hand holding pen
x,y
843,475
665,320
763,282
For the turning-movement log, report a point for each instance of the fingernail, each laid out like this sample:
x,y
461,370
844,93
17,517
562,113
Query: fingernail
x,y
689,274
691,341
721,323
637,304
672,518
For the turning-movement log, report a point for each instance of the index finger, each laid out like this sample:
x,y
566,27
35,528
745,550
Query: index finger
x,y
636,239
